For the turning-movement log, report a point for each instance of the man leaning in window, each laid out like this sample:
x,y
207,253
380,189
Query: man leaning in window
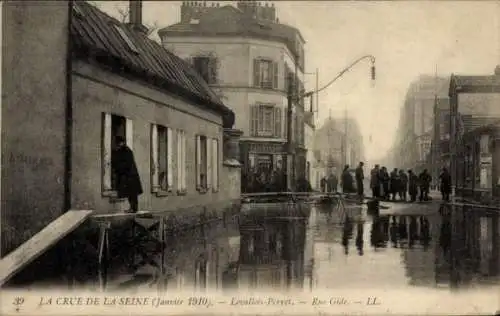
x,y
128,182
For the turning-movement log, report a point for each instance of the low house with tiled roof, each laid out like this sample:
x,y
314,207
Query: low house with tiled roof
x,y
81,78
474,117
247,56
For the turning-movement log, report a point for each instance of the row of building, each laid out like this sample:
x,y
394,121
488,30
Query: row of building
x,y
453,122
200,110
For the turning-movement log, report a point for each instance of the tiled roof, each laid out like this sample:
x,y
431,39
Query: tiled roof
x,y
94,35
230,21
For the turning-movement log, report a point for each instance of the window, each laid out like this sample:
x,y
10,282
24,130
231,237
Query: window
x,y
202,163
113,126
181,162
126,39
161,159
206,66
265,74
207,164
215,165
265,121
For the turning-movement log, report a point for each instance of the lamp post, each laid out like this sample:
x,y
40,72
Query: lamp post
x,y
290,99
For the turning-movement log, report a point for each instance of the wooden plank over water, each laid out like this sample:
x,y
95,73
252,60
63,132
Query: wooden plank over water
x,y
40,242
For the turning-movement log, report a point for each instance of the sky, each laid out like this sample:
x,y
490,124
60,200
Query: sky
x,y
407,38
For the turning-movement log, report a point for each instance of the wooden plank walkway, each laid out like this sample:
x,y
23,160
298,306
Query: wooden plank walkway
x,y
40,242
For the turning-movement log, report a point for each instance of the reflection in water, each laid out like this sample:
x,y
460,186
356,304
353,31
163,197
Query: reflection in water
x,y
359,237
454,248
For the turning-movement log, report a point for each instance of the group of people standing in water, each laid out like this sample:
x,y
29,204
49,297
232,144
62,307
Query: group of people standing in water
x,y
385,185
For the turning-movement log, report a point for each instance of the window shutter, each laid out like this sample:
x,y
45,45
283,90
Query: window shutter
x,y
277,122
198,161
215,164
106,152
170,159
129,132
275,75
179,160
212,68
254,120
256,73
209,162
154,158
184,167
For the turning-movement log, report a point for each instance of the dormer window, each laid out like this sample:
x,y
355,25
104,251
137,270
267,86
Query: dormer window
x,y
126,39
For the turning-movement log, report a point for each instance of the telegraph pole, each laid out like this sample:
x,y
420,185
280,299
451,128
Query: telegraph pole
x,y
289,119
345,136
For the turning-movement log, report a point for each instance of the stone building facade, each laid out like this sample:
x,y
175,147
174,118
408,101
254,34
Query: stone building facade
x,y
247,56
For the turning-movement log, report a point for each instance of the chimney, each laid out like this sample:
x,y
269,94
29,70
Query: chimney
x,y
135,16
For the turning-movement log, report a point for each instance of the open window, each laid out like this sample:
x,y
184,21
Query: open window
x,y
113,126
161,159
202,163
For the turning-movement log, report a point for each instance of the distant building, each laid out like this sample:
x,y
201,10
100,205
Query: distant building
x,y
248,57
329,142
85,79
416,122
473,104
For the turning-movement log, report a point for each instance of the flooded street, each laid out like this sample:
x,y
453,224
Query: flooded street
x,y
405,246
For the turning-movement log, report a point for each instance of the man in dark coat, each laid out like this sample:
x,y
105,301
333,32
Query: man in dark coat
x,y
445,185
395,185
322,184
375,181
424,180
385,179
360,177
347,181
128,182
403,178
412,185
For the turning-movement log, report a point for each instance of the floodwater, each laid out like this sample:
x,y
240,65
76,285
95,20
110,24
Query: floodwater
x,y
405,246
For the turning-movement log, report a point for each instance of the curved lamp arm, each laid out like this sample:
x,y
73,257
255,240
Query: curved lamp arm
x,y
372,59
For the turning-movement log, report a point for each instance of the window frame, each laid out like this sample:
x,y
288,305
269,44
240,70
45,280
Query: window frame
x,y
155,157
212,75
200,167
107,149
181,162
215,152
258,82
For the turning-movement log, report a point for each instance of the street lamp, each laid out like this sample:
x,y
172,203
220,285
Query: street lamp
x,y
290,99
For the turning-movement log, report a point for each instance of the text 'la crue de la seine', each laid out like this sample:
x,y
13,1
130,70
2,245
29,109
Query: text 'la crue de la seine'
x,y
201,301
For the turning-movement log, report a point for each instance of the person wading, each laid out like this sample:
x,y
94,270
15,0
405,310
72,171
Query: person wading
x,y
360,177
128,182
445,184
